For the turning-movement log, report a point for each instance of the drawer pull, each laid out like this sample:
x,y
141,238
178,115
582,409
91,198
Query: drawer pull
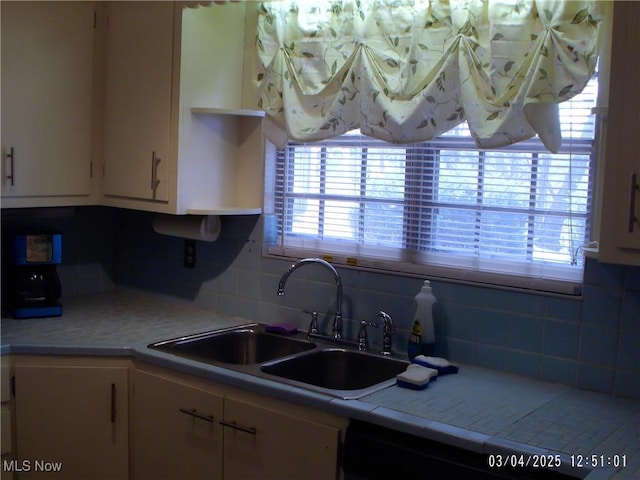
x,y
155,161
11,156
235,426
632,203
194,413
113,402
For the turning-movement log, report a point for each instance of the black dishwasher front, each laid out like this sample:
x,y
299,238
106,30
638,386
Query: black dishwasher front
x,y
373,452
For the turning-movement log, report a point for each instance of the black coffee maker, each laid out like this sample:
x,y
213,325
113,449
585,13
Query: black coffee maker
x,y
34,285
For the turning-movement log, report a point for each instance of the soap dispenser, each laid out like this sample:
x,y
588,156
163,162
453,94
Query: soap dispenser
x,y
422,336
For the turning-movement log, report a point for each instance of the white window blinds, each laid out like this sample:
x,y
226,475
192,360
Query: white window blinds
x,y
512,216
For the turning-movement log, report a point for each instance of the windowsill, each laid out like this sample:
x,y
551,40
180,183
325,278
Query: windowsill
x,y
539,286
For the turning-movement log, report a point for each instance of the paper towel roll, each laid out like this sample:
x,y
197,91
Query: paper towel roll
x,y
196,227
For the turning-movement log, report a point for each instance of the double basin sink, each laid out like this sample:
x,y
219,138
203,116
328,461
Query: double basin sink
x,y
320,366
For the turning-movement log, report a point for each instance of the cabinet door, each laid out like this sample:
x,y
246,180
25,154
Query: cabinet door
x,y
176,430
6,433
620,216
139,63
623,142
71,422
262,444
47,82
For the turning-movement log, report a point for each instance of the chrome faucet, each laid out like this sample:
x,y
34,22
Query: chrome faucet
x,y
313,325
387,331
363,339
337,319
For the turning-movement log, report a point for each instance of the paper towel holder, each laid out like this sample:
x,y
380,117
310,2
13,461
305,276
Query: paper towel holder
x,y
195,227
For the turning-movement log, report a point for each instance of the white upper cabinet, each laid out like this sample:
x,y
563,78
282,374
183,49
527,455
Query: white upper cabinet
x,y
617,221
47,103
139,50
176,140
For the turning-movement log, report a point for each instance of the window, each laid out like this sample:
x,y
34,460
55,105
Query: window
x,y
513,216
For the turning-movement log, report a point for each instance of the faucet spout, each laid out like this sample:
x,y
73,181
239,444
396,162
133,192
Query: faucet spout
x,y
337,320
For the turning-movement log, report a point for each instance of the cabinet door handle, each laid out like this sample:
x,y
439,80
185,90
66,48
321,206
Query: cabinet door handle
x,y
194,413
155,161
113,402
11,156
235,426
632,202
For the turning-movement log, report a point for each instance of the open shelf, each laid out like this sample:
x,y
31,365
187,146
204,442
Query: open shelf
x,y
226,111
225,211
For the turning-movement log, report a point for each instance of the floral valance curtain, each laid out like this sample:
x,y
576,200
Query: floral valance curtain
x,y
408,70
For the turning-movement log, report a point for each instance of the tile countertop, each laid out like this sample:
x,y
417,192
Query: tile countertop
x,y
477,409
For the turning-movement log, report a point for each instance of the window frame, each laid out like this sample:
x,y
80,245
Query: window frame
x,y
407,262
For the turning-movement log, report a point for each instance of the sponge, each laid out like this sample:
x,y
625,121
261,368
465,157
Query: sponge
x,y
415,377
281,328
442,365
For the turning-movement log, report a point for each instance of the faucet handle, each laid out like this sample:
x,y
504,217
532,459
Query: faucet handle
x,y
363,339
387,321
313,325
387,330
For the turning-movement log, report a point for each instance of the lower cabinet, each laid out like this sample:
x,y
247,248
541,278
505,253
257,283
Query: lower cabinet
x,y
71,418
264,444
176,431
6,429
113,418
186,428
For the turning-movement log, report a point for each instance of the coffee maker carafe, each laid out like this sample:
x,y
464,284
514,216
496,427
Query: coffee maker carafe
x,y
34,282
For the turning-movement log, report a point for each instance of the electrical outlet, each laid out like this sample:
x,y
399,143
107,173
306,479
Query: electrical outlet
x,y
190,253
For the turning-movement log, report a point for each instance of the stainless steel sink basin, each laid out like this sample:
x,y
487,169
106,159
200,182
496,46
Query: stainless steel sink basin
x,y
238,346
317,365
352,373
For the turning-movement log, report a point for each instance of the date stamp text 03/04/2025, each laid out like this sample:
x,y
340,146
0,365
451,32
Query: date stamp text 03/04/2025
x,y
591,461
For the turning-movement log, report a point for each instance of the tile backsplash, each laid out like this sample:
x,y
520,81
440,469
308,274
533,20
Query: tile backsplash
x,y
589,342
